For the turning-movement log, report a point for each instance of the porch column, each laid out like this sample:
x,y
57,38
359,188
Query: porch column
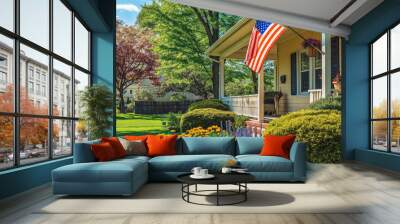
x,y
261,96
326,65
221,77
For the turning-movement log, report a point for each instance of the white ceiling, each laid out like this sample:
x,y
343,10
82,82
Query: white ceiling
x,y
316,15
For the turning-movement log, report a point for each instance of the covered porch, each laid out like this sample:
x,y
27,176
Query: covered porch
x,y
299,79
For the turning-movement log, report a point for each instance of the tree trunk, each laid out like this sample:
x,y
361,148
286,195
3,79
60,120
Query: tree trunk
x,y
215,76
121,102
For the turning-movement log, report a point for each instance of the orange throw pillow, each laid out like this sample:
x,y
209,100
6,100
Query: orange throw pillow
x,y
161,145
277,145
116,145
136,138
103,152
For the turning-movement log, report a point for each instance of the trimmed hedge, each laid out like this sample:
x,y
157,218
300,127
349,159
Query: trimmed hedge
x,y
319,129
330,103
208,103
205,118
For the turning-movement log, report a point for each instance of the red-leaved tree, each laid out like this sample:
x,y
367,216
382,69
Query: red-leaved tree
x,y
135,59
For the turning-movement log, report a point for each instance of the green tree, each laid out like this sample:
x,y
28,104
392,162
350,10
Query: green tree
x,y
183,36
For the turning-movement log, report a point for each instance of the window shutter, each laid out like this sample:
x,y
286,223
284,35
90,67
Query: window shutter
x,y
335,64
293,75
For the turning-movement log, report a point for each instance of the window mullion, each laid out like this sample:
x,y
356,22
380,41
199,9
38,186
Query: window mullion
x,y
389,104
16,84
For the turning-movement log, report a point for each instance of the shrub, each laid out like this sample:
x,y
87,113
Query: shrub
x,y
205,118
173,121
213,130
240,121
330,103
208,103
319,129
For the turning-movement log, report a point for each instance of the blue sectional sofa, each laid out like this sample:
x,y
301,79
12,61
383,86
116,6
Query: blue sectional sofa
x,y
125,176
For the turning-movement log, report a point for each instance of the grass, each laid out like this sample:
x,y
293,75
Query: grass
x,y
140,124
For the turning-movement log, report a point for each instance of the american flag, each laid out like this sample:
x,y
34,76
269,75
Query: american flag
x,y
263,37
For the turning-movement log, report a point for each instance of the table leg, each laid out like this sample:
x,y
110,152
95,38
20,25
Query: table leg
x,y
245,193
217,194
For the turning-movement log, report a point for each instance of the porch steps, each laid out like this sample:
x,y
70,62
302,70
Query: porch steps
x,y
256,128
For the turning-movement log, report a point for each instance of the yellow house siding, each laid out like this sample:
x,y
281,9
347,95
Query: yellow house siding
x,y
289,103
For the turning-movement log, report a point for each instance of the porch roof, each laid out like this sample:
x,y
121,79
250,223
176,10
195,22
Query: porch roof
x,y
233,44
326,16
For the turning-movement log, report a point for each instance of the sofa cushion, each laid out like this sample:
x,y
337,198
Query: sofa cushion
x,y
257,163
185,163
248,145
116,145
112,171
161,145
208,145
277,145
104,152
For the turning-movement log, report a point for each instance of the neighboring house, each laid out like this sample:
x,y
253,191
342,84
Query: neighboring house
x,y
35,81
145,90
300,78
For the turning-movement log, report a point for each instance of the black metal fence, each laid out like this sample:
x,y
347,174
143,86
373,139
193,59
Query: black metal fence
x,y
156,107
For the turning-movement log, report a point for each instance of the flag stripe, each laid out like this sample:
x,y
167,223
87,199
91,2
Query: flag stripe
x,y
266,40
262,38
268,48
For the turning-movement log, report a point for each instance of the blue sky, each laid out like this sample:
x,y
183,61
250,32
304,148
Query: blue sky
x,y
128,10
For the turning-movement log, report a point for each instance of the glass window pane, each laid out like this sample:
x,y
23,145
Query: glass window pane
x,y
305,62
379,135
81,131
35,21
379,97
395,95
6,74
305,81
33,140
62,29
62,89
81,82
34,96
6,142
7,14
81,45
379,56
395,136
395,47
318,78
62,138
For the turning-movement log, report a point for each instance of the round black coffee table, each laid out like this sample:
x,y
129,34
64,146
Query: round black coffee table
x,y
238,179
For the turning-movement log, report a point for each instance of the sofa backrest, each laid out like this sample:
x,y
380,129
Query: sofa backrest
x,y
207,145
83,152
249,145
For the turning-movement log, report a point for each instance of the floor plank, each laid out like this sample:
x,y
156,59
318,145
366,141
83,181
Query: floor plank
x,y
376,189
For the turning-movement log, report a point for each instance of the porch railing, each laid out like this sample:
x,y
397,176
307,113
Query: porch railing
x,y
315,95
244,105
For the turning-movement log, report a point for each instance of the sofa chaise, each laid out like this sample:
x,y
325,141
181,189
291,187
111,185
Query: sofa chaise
x,y
125,176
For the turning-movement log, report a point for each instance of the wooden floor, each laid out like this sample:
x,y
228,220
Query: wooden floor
x,y
379,189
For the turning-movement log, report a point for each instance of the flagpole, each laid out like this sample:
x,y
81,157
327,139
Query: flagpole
x,y
299,35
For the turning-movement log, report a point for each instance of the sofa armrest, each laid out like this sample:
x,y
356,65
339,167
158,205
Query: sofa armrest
x,y
298,155
83,152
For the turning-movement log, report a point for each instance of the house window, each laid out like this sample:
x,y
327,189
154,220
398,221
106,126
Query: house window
x,y
3,78
310,73
3,70
385,97
30,87
46,42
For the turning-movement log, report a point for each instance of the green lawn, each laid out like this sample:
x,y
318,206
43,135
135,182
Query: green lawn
x,y
140,124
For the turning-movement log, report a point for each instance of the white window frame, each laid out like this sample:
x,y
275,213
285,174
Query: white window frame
x,y
311,73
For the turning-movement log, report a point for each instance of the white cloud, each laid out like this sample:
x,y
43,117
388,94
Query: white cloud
x,y
128,7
